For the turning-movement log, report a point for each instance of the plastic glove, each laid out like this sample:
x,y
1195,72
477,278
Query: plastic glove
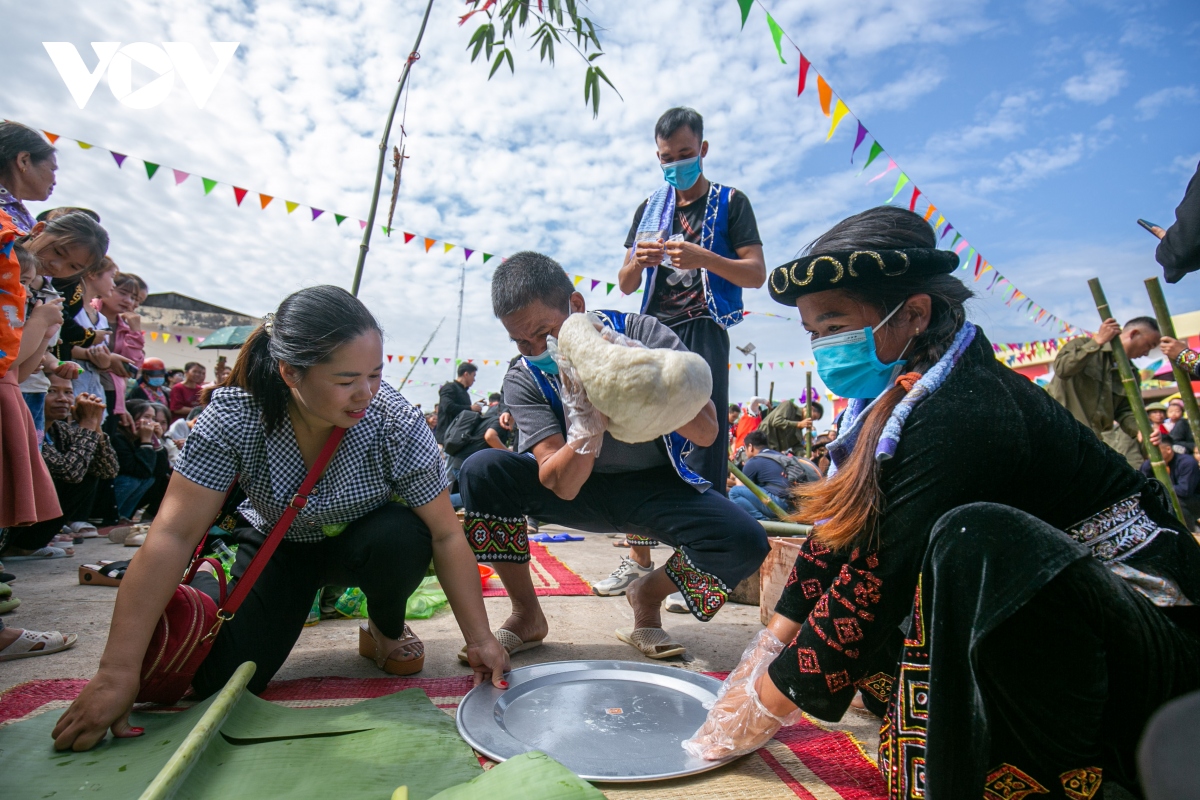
x,y
585,424
738,722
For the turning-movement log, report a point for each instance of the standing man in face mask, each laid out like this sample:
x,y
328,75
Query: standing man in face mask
x,y
697,243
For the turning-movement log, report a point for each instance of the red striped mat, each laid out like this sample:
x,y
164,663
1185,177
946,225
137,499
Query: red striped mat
x,y
550,577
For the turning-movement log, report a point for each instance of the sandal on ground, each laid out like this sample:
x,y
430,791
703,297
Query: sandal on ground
x,y
7,577
395,662
41,554
8,604
509,641
651,642
85,529
106,573
117,535
49,641
136,538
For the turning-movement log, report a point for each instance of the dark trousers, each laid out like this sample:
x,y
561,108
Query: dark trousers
x,y
715,538
385,553
706,338
75,499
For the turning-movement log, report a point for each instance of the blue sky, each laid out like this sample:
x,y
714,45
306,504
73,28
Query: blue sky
x,y
1042,130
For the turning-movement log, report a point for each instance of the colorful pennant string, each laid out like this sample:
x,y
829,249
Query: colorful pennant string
x,y
836,111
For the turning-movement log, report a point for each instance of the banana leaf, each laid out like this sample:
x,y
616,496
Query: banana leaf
x,y
363,751
530,776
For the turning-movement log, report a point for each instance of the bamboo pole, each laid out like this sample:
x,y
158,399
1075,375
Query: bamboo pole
x,y
383,143
808,434
785,528
413,365
1134,396
762,496
770,394
1167,328
171,776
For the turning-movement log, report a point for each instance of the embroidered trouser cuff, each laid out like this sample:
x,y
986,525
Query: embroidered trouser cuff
x,y
639,541
497,538
703,593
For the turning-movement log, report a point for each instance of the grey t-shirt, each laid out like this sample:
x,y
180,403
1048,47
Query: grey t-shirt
x,y
536,419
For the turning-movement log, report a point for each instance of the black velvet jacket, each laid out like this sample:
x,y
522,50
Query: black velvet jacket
x,y
987,435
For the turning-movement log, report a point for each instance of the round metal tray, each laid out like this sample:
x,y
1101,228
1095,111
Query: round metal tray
x,y
607,721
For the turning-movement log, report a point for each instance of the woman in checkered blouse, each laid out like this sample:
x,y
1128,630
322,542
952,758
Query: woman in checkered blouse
x,y
379,513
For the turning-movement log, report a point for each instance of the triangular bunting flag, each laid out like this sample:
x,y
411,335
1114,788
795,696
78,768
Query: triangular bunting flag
x,y
180,176
486,256
578,278
151,168
412,359
776,36
746,6
825,93
429,243
948,229
891,166
468,251
178,338
424,359
316,212
739,366
83,145
447,247
876,149
390,358
594,284
291,206
362,224
118,157
912,204
435,359
858,139
903,179
839,110
209,184
339,218
240,194
408,237
264,200
611,286
154,336
929,212
804,64
191,340
939,222
53,137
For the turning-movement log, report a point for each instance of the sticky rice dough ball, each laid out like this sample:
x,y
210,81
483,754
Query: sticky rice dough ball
x,y
645,393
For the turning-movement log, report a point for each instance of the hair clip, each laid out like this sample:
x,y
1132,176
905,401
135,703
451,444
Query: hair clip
x,y
269,323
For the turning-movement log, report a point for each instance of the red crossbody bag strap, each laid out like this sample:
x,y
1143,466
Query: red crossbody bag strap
x,y
299,500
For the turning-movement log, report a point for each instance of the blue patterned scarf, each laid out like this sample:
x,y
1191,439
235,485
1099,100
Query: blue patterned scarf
x,y
841,447
660,211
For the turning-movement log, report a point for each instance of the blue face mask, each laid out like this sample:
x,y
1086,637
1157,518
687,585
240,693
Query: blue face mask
x,y
156,381
544,361
849,366
683,174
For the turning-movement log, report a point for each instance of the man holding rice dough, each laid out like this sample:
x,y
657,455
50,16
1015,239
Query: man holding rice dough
x,y
615,465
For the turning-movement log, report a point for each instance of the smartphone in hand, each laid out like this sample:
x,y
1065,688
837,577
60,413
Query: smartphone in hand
x,y
1157,230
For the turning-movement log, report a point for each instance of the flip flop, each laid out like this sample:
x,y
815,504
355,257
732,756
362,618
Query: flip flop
x,y
106,573
51,641
41,554
137,538
509,641
85,529
555,537
369,648
7,577
651,642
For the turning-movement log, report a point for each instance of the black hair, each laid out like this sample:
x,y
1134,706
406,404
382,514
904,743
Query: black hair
x,y
675,118
818,410
735,408
1166,438
62,211
73,229
188,366
1144,322
756,438
307,328
466,367
27,259
494,397
528,276
15,139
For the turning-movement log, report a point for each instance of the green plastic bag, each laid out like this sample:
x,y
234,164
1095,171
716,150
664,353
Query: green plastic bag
x,y
426,601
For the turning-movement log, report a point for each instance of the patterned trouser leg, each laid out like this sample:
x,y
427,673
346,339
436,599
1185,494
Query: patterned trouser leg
x,y
703,593
639,541
495,538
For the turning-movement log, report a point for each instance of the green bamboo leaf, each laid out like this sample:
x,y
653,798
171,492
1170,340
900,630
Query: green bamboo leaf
x,y
496,64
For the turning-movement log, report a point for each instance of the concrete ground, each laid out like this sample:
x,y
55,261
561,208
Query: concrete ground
x,y
580,627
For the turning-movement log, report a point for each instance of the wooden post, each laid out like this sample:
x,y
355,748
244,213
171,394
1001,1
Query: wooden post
x,y
762,496
1134,395
1182,379
383,143
808,434
770,395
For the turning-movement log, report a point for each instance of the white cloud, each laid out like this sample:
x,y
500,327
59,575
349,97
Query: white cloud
x,y
1020,169
1150,105
1005,122
1100,82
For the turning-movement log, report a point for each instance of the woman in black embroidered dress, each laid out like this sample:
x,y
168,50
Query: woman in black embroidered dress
x,y
1018,596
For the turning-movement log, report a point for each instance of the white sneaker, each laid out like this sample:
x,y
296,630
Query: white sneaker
x,y
676,604
616,583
